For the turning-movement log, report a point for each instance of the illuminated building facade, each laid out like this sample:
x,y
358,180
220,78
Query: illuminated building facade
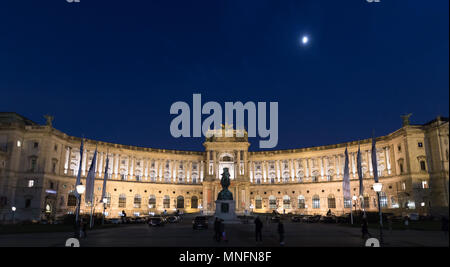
x,y
39,164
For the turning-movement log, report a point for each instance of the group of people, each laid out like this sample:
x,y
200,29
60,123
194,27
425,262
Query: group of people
x,y
259,227
219,230
220,234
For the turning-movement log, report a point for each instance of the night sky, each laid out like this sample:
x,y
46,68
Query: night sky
x,y
110,70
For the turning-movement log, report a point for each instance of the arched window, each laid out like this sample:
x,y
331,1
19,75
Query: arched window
x,y
108,199
301,202
366,201
258,202
331,202
166,202
348,203
194,202
137,201
152,202
71,200
122,201
272,202
286,202
316,202
180,202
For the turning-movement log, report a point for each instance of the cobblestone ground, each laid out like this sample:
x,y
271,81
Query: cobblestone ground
x,y
239,235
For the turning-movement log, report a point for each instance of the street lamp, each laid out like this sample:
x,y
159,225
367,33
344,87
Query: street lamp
x,y
377,187
13,213
80,190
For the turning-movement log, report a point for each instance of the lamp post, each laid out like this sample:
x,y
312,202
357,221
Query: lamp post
x,y
80,190
105,201
354,204
377,187
13,209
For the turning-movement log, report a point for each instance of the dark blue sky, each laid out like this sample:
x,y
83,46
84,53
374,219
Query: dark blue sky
x,y
111,69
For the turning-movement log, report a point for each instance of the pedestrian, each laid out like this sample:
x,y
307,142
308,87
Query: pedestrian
x,y
217,232
222,231
258,229
329,212
390,224
406,221
84,229
281,232
365,228
444,226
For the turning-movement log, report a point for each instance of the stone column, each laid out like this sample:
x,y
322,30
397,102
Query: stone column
x,y
66,161
294,169
305,171
387,159
321,167
83,164
245,172
337,160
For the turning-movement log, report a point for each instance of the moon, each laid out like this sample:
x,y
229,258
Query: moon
x,y
305,40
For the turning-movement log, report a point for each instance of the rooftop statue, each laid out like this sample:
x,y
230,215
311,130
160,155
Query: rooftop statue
x,y
225,194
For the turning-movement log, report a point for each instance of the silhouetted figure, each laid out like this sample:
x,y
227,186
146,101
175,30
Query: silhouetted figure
x,y
281,232
329,212
84,228
258,229
365,228
217,232
124,216
222,231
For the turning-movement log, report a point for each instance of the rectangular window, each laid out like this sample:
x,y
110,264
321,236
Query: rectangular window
x,y
301,203
424,184
422,165
30,183
316,203
347,203
258,204
122,202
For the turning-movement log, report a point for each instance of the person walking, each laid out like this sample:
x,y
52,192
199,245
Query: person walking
x,y
258,229
84,229
281,232
217,232
365,228
222,231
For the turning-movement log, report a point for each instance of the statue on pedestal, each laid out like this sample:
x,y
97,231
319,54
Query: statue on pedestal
x,y
225,194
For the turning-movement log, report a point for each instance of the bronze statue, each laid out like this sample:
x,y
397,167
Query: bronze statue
x,y
225,194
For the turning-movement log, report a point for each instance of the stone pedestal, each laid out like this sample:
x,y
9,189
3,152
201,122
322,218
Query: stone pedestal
x,y
226,210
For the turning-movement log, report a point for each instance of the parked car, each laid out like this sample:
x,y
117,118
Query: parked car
x,y
173,219
296,218
312,218
275,219
200,222
115,221
156,221
139,220
413,216
328,219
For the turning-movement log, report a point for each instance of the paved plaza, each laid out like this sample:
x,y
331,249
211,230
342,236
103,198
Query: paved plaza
x,y
239,235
